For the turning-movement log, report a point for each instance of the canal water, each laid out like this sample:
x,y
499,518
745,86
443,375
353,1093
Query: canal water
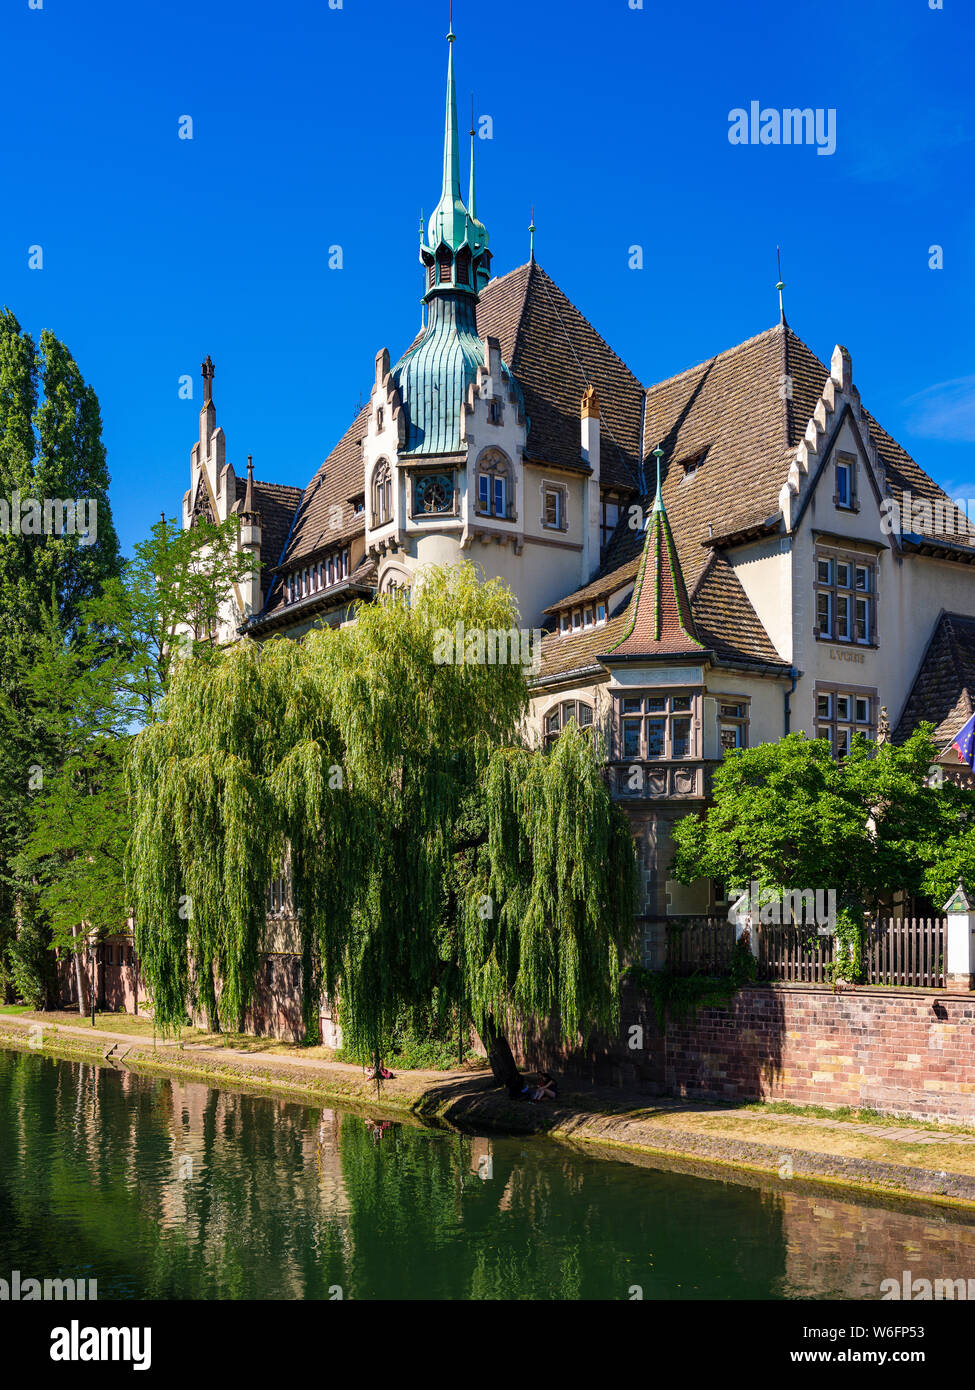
x,y
159,1188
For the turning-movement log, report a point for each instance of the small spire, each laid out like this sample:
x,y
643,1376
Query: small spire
x,y
249,494
206,370
451,155
531,231
658,501
780,287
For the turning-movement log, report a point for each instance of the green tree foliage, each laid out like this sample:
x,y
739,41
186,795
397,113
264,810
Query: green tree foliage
x,y
788,815
394,784
50,448
90,689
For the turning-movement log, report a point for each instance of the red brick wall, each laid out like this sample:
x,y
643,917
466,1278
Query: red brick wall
x,y
909,1052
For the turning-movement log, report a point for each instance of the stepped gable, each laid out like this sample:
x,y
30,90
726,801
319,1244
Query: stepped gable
x,y
554,354
943,692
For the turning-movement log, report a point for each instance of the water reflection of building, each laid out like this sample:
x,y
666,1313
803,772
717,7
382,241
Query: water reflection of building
x,y
844,1249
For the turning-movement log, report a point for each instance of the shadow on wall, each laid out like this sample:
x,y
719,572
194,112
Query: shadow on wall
x,y
729,1053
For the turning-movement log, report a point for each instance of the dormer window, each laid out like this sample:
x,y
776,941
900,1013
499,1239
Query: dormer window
x,y
600,612
563,622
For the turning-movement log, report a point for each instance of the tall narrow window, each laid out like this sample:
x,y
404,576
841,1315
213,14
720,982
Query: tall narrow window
x,y
382,494
553,507
845,494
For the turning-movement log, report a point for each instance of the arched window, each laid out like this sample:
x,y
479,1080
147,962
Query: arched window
x,y
559,715
382,494
494,496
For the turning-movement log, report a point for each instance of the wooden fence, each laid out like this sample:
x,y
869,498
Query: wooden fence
x,y
906,951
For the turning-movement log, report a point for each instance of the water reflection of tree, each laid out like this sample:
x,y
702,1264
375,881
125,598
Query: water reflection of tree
x,y
456,1217
159,1189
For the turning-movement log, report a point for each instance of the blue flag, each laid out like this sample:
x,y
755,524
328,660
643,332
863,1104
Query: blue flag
x,y
964,743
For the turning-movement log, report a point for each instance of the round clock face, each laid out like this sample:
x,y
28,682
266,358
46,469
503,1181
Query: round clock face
x,y
434,493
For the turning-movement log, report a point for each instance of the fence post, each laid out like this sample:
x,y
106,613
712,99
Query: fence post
x,y
959,942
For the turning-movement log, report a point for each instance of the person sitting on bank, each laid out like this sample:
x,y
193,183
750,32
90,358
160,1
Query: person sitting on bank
x,y
546,1088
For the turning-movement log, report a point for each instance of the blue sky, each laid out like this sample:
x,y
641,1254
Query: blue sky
x,y
315,126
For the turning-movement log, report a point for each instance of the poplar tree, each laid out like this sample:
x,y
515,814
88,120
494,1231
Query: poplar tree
x,y
50,448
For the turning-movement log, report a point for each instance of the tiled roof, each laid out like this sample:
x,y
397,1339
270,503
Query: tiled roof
x,y
338,479
944,687
726,621
579,651
277,504
601,587
555,354
660,620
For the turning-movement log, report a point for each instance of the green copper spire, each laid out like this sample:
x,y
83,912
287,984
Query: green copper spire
x,y
449,221
455,250
658,501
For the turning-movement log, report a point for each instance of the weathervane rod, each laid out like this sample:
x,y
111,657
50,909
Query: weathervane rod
x,y
780,286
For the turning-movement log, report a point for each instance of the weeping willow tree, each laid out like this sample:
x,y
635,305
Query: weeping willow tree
x,y
430,853
547,896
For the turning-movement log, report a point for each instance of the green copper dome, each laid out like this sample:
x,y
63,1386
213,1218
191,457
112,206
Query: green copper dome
x,y
433,378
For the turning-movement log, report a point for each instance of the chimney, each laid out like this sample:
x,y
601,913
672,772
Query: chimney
x,y
591,430
250,540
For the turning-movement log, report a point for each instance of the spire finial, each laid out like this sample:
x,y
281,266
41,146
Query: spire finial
x,y
531,231
780,286
451,158
658,501
206,370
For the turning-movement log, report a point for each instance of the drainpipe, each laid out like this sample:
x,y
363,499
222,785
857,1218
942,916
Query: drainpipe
x,y
787,698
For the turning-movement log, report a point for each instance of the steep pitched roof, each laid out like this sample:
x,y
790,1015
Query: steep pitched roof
x,y
660,622
943,692
326,500
555,353
725,620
